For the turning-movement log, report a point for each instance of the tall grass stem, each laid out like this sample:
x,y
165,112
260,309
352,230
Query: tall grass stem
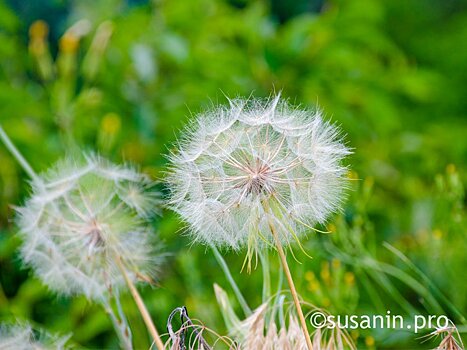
x,y
264,257
233,284
18,156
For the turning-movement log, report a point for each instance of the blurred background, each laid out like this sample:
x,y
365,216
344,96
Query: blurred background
x,y
122,78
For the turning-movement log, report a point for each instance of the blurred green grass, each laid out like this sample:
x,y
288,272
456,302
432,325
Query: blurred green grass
x,y
125,80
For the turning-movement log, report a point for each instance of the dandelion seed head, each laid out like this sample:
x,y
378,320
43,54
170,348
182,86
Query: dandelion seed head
x,y
82,215
231,161
23,337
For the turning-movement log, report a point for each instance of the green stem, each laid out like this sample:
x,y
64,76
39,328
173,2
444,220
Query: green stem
x,y
264,257
228,275
18,156
277,299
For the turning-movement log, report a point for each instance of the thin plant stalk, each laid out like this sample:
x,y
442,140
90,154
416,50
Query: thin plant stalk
x,y
233,284
293,290
264,258
141,307
277,298
18,156
121,313
290,281
120,327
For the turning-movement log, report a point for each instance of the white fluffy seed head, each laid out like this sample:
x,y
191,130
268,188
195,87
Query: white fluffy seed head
x,y
22,337
240,168
84,215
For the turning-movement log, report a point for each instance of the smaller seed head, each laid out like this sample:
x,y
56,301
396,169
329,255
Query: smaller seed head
x,y
82,216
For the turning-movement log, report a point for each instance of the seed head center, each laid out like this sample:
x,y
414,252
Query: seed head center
x,y
94,234
257,178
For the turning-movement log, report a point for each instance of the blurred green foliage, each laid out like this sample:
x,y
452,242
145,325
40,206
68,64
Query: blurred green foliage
x,y
123,78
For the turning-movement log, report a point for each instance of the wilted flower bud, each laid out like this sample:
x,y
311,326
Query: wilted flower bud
x,y
239,168
83,220
260,331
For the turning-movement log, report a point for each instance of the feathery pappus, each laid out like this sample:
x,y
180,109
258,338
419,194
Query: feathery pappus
x,y
82,218
241,167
